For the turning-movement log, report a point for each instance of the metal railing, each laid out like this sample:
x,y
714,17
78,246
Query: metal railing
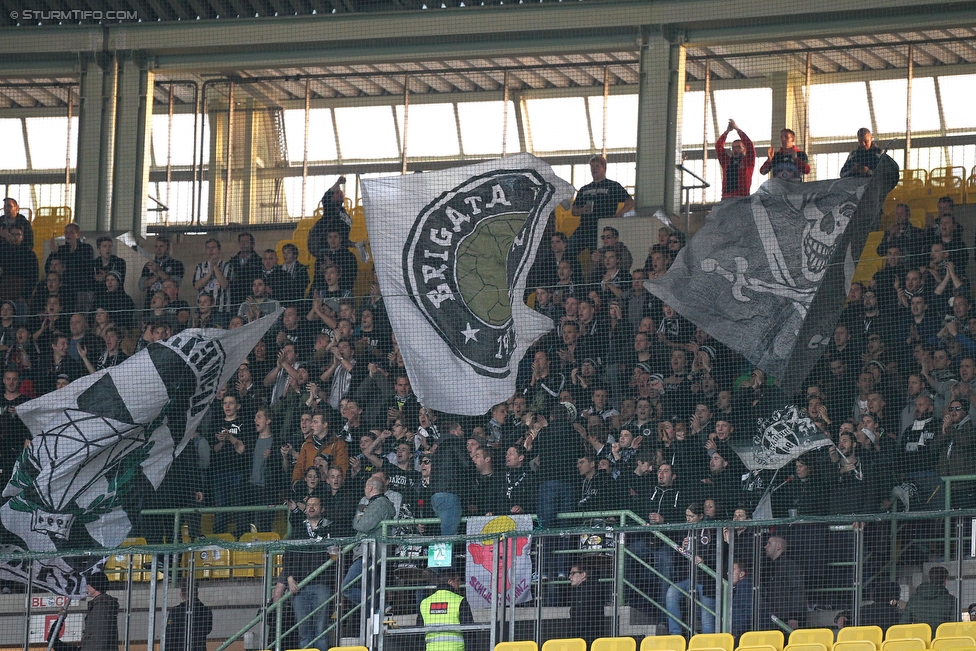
x,y
851,553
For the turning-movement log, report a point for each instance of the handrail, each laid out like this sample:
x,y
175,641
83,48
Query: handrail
x,y
213,509
276,605
947,507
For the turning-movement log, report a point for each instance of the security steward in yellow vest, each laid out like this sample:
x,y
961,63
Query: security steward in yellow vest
x,y
443,608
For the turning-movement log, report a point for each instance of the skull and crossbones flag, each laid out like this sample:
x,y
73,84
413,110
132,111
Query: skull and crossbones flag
x,y
782,437
453,249
768,274
100,437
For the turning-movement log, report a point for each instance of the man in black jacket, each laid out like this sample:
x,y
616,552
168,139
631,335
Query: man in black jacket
x,y
297,566
557,447
783,583
101,632
193,613
449,474
586,600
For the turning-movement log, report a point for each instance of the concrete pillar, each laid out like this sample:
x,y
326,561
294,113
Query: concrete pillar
x,y
789,109
789,105
662,87
89,145
133,133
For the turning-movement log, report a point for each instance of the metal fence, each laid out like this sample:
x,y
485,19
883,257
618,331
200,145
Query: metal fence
x,y
834,565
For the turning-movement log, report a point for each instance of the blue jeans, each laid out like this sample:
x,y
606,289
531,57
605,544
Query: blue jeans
x,y
227,491
447,507
306,601
673,600
351,589
555,497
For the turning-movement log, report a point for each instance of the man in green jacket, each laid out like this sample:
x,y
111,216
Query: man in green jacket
x,y
373,509
932,604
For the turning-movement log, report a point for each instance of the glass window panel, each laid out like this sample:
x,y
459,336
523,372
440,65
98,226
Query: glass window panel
x,y
23,195
827,166
182,139
751,108
47,139
623,173
482,125
927,157
12,137
53,194
366,133
178,196
838,110
431,131
565,172
958,98
890,98
621,121
321,137
963,156
558,124
314,189
692,117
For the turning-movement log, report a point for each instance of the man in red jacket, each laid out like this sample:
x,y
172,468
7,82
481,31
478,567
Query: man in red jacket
x,y
736,167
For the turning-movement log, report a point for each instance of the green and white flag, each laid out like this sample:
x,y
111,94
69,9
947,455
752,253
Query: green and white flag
x,y
452,251
103,436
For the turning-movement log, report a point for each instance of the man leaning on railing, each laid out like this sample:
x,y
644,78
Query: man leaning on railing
x,y
298,564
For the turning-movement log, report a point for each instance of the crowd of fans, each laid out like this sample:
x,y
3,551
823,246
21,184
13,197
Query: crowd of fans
x,y
624,405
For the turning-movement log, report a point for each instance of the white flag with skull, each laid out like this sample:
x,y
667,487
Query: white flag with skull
x,y
453,249
768,274
92,439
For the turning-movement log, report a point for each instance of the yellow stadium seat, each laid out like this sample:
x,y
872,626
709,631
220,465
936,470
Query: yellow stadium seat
x,y
946,643
303,255
357,231
762,638
869,263
823,636
117,566
712,641
904,644
254,560
922,632
306,223
971,187
956,629
755,647
214,562
526,645
914,180
948,181
348,648
663,643
872,634
566,222
614,644
855,645
570,644
808,646
920,206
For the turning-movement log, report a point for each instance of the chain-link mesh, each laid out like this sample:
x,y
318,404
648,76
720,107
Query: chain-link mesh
x,y
612,486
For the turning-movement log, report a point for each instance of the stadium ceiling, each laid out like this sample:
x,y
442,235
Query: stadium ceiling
x,y
616,67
